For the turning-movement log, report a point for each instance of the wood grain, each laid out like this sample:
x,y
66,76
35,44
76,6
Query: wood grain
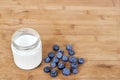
x,y
91,26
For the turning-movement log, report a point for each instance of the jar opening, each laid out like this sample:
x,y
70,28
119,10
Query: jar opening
x,y
25,39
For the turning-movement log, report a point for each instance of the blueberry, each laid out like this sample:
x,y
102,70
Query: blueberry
x,y
65,58
51,55
47,69
47,59
61,65
72,59
66,71
60,50
68,47
55,47
71,52
74,65
55,60
53,64
74,71
59,55
80,60
53,73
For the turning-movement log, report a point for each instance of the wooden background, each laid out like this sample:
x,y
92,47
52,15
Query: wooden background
x,y
91,26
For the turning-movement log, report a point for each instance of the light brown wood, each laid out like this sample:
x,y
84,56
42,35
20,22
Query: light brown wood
x,y
91,26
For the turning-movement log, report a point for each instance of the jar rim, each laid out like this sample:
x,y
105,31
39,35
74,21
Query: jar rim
x,y
25,31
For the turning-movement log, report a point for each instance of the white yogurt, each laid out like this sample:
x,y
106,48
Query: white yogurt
x,y
28,58
25,40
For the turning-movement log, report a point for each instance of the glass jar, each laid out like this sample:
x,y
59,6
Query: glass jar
x,y
26,48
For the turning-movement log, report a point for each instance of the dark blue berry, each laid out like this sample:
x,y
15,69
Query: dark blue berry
x,y
80,60
47,69
59,55
53,64
53,73
71,52
74,65
72,59
61,65
68,47
60,50
55,47
55,60
66,71
65,58
74,71
47,59
51,55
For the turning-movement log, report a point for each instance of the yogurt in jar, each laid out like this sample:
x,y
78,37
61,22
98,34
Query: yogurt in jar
x,y
26,48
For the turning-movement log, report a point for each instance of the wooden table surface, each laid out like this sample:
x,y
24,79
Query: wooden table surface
x,y
91,26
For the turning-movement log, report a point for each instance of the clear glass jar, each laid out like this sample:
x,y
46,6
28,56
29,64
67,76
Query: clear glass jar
x,y
26,48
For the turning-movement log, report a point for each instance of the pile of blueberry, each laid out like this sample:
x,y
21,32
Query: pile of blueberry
x,y
59,60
